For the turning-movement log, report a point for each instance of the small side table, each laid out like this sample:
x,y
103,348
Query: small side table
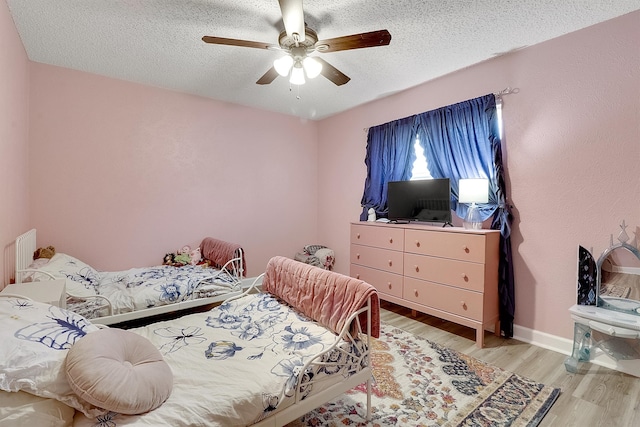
x,y
48,291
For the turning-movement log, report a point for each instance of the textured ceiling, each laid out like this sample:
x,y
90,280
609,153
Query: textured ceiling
x,y
159,42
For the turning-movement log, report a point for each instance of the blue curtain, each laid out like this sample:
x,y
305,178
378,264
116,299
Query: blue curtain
x,y
390,156
463,141
456,143
502,219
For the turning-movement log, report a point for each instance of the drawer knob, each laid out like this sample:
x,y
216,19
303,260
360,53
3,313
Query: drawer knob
x,y
465,277
358,236
463,305
417,268
389,284
415,292
390,263
391,240
465,248
358,256
357,276
417,244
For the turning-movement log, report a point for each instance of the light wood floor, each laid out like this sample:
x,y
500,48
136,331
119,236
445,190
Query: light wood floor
x,y
596,396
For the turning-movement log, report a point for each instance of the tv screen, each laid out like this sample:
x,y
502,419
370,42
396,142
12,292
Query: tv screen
x,y
427,200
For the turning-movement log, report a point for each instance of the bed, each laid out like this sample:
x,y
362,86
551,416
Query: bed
x,y
260,358
119,296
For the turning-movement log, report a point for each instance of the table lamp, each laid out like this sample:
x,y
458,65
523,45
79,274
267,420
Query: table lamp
x,y
475,190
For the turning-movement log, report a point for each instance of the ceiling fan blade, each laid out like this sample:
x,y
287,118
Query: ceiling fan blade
x,y
355,41
293,17
236,42
268,77
332,73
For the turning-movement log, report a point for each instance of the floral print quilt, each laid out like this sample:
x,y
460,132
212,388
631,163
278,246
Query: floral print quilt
x,y
238,363
136,288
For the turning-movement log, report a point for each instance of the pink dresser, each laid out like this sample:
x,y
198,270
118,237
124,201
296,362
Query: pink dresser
x,y
451,272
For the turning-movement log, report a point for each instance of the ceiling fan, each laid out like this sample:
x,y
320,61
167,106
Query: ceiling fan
x,y
298,41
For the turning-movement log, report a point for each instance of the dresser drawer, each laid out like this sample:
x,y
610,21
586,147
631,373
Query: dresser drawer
x,y
380,236
467,275
462,246
446,298
383,281
381,259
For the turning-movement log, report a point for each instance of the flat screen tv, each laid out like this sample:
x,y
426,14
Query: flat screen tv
x,y
427,200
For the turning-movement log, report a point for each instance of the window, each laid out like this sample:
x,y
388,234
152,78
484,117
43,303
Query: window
x,y
420,169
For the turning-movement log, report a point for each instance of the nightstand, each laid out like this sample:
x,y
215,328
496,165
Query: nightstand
x,y
48,291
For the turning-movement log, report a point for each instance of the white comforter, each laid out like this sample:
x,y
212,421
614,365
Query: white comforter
x,y
235,364
136,288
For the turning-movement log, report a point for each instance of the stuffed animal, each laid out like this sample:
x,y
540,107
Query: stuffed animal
x,y
168,259
47,252
184,256
196,256
181,259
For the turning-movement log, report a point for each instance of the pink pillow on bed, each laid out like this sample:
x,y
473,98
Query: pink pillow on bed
x,y
119,371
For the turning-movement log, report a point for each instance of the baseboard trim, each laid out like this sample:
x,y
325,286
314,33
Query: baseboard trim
x,y
543,339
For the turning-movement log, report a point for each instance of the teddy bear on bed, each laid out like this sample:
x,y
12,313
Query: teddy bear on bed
x,y
47,252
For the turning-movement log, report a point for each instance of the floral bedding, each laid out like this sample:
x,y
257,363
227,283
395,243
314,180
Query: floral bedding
x,y
136,288
236,364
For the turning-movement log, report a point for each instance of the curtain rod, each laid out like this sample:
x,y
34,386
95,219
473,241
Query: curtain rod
x,y
506,91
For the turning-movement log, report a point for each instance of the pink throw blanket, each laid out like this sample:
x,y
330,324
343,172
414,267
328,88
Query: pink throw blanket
x,y
325,296
219,252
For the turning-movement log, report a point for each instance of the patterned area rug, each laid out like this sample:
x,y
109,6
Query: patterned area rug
x,y
420,383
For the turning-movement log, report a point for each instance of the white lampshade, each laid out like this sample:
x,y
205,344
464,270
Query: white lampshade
x,y
473,190
283,65
297,74
312,67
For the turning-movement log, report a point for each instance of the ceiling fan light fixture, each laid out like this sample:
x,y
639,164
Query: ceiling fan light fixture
x,y
283,65
312,67
297,74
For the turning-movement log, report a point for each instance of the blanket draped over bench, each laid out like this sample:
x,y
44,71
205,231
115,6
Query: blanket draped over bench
x,y
320,294
219,252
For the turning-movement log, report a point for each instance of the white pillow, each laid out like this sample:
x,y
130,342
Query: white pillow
x,y
82,279
35,340
35,265
62,266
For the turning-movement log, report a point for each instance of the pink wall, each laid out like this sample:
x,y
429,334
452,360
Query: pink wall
x,y
123,173
572,150
14,134
118,174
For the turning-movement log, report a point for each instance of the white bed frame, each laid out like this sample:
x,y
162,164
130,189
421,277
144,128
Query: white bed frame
x,y
302,406
26,246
